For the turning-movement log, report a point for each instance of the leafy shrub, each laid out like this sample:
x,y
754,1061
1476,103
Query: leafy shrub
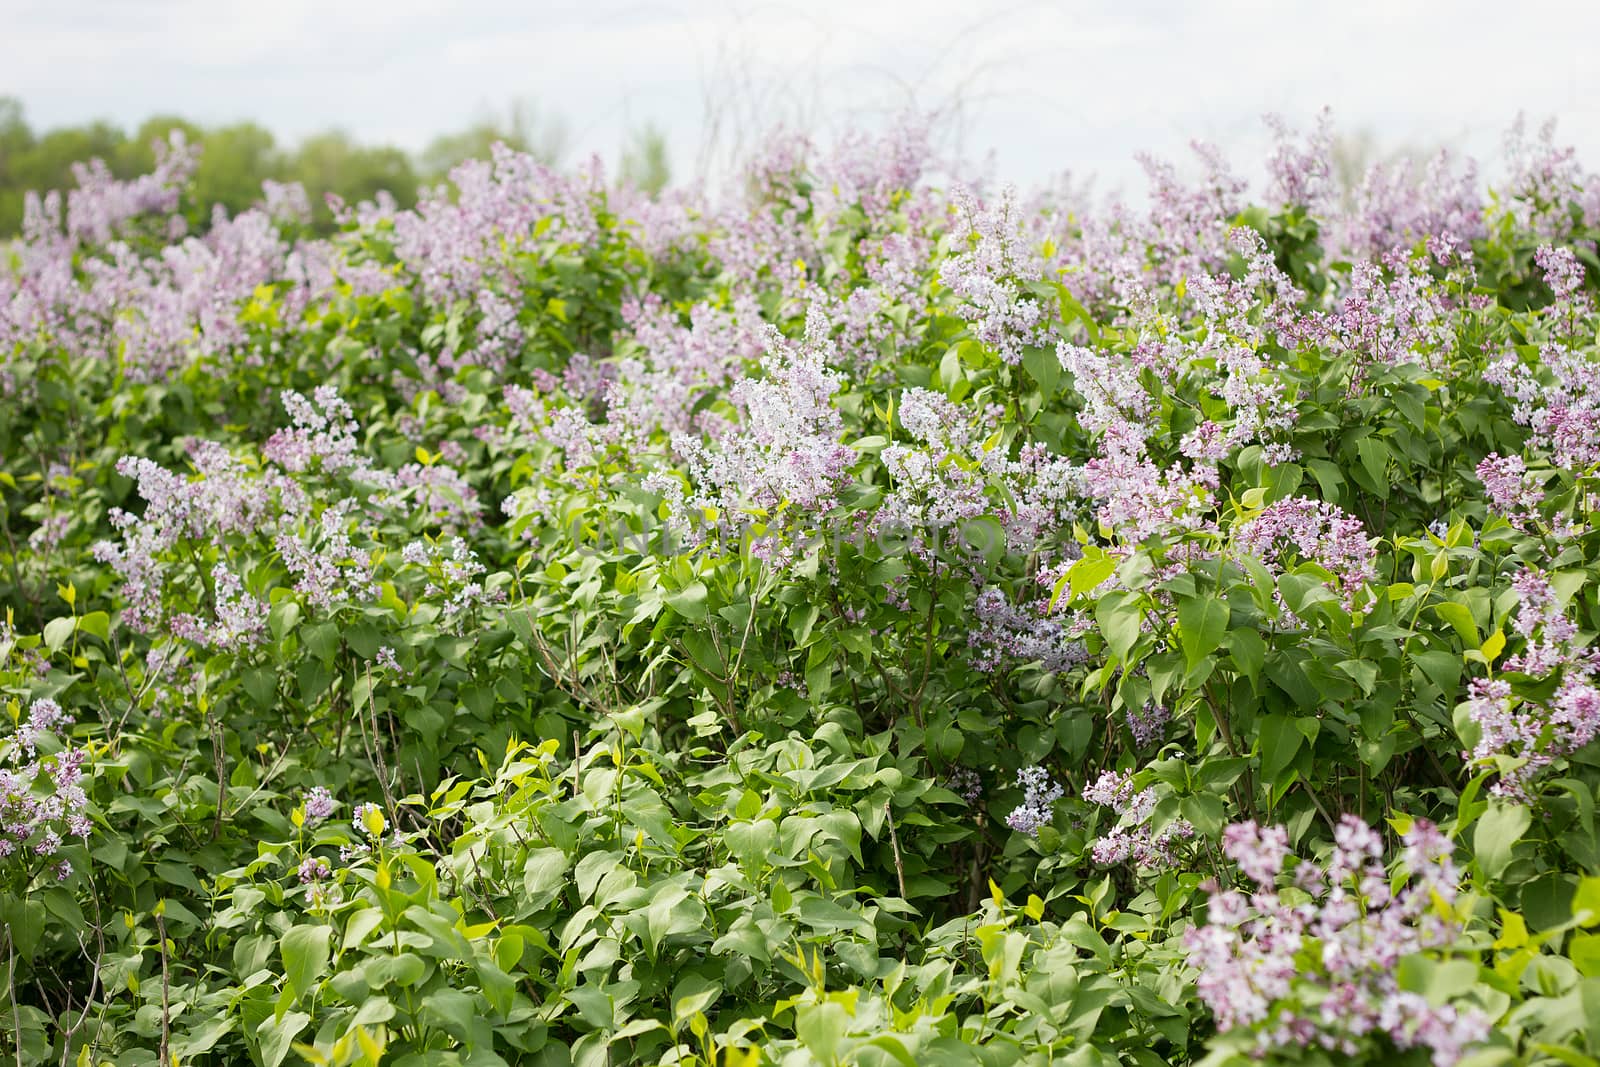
x,y
849,618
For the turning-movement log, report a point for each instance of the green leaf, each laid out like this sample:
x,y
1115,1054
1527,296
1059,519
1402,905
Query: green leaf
x,y
1086,573
277,1036
670,913
521,623
455,1012
1202,623
690,601
1460,617
693,993
1044,367
1497,832
1586,902
305,956
1375,461
1280,741
96,623
950,368
283,617
1118,616
1248,651
1442,668
1365,672
595,1005
57,632
820,1028
1584,952
261,686
1438,980
543,875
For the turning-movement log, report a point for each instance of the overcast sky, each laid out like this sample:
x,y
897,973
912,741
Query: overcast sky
x,y
1045,86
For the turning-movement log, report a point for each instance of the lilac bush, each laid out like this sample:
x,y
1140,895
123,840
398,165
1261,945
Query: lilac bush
x,y
857,612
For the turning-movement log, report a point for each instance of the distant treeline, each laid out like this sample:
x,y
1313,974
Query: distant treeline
x,y
237,158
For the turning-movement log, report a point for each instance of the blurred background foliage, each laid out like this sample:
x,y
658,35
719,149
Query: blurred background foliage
x,y
237,158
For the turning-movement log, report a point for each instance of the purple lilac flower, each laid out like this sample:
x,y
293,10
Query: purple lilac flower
x,y
1148,724
992,261
1254,974
1562,271
1319,532
385,659
1557,397
314,869
1039,793
1133,838
1510,488
1536,732
1258,852
319,805
965,783
786,452
42,799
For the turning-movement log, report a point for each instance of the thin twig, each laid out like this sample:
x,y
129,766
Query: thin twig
x,y
11,991
166,1020
220,762
894,843
1305,786
375,753
94,981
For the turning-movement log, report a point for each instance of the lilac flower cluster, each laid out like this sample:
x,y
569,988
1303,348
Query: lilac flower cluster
x,y
1315,964
42,799
1039,793
313,497
460,242
1321,533
965,783
328,567
1006,633
1137,497
1398,203
368,822
1148,724
314,869
1134,838
1544,182
316,872
88,285
386,660
991,257
1514,492
453,572
224,500
1240,317
935,485
1562,271
102,205
321,437
1558,400
1393,313
441,492
676,364
319,805
1524,734
786,450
